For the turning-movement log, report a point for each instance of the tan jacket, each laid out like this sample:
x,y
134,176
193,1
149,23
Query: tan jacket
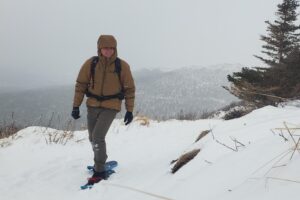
x,y
106,80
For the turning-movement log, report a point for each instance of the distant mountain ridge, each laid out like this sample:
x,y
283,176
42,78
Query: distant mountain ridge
x,y
189,89
159,94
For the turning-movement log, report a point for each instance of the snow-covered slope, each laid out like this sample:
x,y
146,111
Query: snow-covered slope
x,y
261,169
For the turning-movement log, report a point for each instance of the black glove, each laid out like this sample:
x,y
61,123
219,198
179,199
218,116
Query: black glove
x,y
75,113
128,118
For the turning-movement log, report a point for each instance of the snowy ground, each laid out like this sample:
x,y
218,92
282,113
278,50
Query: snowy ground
x,y
262,169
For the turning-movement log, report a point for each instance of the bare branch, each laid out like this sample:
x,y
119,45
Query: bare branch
x,y
296,143
226,146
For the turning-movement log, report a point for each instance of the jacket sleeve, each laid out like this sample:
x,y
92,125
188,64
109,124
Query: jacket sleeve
x,y
82,83
128,86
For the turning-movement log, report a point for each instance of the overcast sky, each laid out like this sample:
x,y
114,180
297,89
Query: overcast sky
x,y
44,42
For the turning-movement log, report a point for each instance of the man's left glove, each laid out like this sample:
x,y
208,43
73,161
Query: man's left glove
x,y
75,113
128,118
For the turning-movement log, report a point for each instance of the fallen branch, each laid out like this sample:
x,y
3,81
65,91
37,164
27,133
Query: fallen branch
x,y
237,142
233,139
226,145
282,179
296,143
296,147
268,162
282,135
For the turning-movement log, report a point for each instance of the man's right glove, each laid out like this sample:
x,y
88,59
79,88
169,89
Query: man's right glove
x,y
75,113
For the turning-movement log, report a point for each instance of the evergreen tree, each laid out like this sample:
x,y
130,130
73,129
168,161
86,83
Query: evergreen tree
x,y
282,34
281,81
290,75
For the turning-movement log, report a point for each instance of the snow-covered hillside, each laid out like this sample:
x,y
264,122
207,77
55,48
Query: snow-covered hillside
x,y
159,95
244,158
191,89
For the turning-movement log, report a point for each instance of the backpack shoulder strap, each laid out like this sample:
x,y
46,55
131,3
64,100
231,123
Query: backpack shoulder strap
x,y
94,62
118,69
118,66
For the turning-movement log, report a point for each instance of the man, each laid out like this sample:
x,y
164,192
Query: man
x,y
106,80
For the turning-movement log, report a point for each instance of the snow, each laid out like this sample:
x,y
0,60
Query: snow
x,y
32,168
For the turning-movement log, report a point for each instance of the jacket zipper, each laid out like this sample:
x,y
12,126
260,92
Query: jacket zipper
x,y
103,78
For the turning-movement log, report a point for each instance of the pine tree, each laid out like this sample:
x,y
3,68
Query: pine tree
x,y
282,34
290,75
281,81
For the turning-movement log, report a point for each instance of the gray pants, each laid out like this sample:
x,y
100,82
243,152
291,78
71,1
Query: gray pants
x,y
99,121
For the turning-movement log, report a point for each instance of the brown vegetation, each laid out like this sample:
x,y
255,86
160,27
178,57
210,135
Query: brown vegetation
x,y
184,159
202,134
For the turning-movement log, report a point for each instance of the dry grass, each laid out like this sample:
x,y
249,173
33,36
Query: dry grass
x,y
184,159
8,129
8,132
202,134
236,113
144,121
59,137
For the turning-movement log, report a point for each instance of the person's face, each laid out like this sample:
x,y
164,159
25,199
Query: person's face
x,y
107,52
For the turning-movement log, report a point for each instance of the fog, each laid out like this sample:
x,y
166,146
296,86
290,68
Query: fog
x,y
44,43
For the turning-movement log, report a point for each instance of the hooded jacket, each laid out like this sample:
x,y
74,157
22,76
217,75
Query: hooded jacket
x,y
106,80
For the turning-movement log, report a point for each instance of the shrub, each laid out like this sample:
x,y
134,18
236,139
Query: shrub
x,y
236,113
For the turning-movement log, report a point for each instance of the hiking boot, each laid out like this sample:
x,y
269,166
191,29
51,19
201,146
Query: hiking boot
x,y
98,176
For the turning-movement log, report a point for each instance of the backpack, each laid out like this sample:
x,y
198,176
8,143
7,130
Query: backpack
x,y
118,68
94,62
